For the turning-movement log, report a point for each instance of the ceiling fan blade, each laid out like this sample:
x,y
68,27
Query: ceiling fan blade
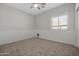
x,y
39,8
31,7
42,6
43,3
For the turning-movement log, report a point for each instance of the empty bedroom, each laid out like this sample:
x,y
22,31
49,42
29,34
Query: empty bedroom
x,y
39,29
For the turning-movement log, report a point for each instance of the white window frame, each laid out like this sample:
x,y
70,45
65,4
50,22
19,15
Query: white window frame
x,y
59,28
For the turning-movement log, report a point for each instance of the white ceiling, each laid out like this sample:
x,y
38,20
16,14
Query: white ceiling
x,y
26,7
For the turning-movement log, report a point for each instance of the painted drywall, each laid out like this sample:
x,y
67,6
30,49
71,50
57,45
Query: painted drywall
x,y
77,23
43,25
77,13
78,31
15,25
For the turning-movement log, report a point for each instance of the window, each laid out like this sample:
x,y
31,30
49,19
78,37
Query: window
x,y
60,22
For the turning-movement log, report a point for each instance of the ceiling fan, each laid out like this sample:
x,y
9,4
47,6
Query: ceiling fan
x,y
38,5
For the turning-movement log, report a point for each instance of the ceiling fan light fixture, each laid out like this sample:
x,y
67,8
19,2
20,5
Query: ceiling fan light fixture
x,y
36,5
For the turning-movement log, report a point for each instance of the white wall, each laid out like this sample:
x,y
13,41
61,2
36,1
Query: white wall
x,y
15,25
77,18
43,25
76,24
78,31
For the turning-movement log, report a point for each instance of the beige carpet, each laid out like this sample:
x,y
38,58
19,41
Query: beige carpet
x,y
38,47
